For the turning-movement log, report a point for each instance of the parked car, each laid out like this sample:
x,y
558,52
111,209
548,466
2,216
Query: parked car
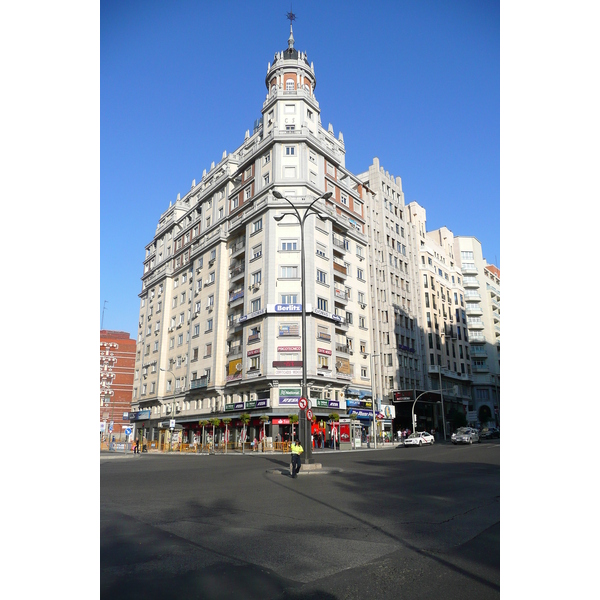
x,y
489,432
465,435
417,439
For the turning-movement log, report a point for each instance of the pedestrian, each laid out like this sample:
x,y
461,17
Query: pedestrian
x,y
297,450
136,449
255,444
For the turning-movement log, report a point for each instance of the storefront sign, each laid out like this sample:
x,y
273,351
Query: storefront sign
x,y
287,391
289,329
324,351
289,348
234,406
280,308
286,364
253,352
251,315
328,403
280,421
257,404
141,415
289,400
327,315
289,372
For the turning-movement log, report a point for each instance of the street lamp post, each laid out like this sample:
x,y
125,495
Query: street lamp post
x,y
304,429
443,335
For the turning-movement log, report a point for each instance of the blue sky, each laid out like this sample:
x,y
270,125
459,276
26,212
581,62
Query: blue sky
x,y
415,83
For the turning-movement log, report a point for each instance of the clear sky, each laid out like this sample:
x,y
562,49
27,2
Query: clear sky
x,y
415,83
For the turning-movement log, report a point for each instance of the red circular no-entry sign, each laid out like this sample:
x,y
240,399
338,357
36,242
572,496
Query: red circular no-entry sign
x,y
309,414
302,403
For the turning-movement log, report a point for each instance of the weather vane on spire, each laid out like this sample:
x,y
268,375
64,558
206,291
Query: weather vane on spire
x,y
291,16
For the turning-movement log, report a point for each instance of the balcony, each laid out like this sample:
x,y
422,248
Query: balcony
x,y
476,338
236,298
202,382
469,269
475,323
340,295
339,244
343,349
470,282
472,297
237,273
253,338
474,310
339,268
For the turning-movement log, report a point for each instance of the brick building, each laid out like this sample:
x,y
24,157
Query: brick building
x,y
117,361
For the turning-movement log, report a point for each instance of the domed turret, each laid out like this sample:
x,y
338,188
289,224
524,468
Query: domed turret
x,y
290,70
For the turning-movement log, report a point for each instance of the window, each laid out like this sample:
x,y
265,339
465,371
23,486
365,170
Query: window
x,y
289,298
290,127
257,226
322,304
321,250
256,252
235,202
208,350
209,326
267,158
254,363
344,199
257,277
255,305
248,192
211,301
289,245
290,150
266,179
360,274
321,277
323,362
289,85
180,339
363,372
361,298
362,323
289,272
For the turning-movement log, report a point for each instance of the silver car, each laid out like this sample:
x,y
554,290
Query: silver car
x,y
465,435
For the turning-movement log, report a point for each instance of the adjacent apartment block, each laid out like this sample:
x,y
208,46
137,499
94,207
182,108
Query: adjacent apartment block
x,y
482,306
117,359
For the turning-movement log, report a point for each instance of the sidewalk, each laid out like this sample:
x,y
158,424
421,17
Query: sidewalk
x,y
316,451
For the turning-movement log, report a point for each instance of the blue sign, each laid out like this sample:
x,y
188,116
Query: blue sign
x,y
288,308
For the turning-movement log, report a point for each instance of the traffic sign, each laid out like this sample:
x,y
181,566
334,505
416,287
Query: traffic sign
x,y
128,431
309,414
302,403
172,424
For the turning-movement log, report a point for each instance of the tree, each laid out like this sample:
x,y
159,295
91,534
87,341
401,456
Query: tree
x,y
484,414
264,419
226,421
457,418
333,418
293,419
245,419
204,424
215,423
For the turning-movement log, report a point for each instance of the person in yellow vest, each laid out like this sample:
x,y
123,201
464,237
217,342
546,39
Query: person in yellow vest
x,y
297,450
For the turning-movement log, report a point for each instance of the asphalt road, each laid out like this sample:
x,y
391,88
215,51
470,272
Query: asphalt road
x,y
403,523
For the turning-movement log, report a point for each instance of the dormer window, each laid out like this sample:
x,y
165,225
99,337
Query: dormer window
x,y
289,85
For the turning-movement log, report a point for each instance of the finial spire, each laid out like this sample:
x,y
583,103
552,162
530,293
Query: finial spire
x,y
292,17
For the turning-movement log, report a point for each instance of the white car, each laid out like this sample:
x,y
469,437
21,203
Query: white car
x,y
418,439
427,437
465,435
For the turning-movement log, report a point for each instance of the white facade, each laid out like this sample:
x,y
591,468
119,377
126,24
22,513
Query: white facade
x,y
220,308
482,306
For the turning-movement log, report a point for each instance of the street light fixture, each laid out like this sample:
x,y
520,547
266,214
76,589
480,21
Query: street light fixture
x,y
304,429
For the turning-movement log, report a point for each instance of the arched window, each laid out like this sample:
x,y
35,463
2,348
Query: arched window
x,y
289,85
